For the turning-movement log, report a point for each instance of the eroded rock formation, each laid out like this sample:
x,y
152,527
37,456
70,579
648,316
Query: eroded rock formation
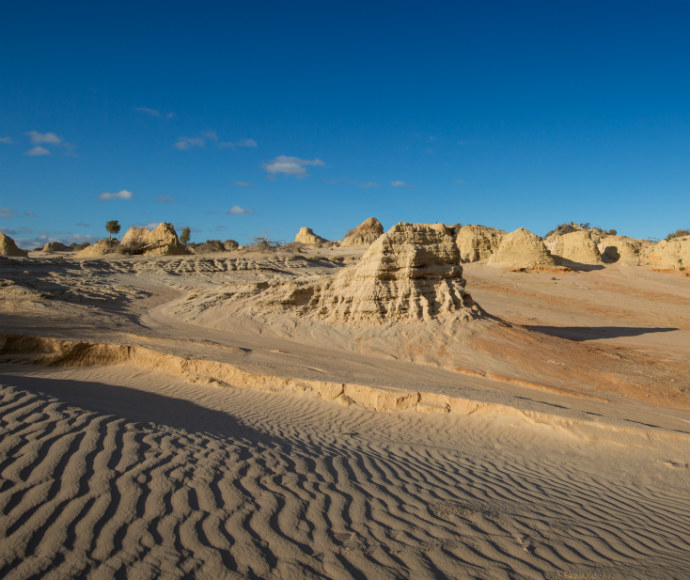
x,y
364,234
522,249
574,248
308,237
161,241
9,248
477,243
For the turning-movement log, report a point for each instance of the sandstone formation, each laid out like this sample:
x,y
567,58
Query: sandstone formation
x,y
622,250
365,233
51,247
673,254
161,241
100,248
522,249
574,248
477,243
9,248
410,273
308,237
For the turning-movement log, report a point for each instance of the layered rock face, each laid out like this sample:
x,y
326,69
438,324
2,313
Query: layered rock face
x,y
9,248
672,254
161,241
477,243
522,249
575,247
622,250
364,234
307,236
412,273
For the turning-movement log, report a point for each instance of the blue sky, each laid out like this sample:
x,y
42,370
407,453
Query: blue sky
x,y
241,119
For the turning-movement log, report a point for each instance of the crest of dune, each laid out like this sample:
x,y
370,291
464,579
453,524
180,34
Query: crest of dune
x,y
477,243
576,247
9,248
410,273
522,249
364,234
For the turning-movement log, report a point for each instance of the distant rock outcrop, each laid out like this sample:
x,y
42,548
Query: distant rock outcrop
x,y
477,243
672,254
308,237
161,241
622,250
574,248
411,273
9,248
364,234
52,247
522,249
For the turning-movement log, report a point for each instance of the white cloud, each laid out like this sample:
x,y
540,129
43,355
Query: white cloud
x,y
7,140
6,212
50,138
242,184
184,143
209,135
240,143
400,184
124,194
147,111
37,151
291,165
237,210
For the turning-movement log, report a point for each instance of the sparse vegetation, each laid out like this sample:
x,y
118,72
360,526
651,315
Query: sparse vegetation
x,y
185,235
113,228
677,234
566,228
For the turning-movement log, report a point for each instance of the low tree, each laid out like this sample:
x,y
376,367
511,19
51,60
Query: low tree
x,y
185,235
113,228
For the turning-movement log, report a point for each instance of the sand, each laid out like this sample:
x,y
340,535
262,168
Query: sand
x,y
167,417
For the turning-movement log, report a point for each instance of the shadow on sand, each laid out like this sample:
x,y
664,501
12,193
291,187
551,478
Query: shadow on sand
x,y
595,332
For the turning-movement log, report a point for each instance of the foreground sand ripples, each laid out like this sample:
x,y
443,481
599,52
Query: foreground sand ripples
x,y
145,476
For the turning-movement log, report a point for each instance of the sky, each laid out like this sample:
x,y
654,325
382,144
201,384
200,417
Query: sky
x,y
247,119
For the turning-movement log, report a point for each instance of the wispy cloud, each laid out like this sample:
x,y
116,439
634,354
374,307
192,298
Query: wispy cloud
x,y
6,212
37,151
242,184
37,138
7,140
30,213
123,194
400,184
460,181
169,199
147,111
365,184
291,165
184,143
82,225
241,143
210,135
237,210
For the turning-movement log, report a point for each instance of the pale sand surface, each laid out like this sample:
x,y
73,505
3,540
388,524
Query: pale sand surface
x,y
509,451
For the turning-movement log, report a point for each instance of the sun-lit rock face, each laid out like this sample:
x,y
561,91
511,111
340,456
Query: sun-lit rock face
x,y
477,243
574,248
9,248
364,234
308,237
161,241
412,272
522,249
670,254
622,250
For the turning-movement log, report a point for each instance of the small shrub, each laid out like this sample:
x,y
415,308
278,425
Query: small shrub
x,y
678,234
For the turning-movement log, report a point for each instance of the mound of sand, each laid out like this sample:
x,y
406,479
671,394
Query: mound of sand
x,y
477,243
230,245
412,272
574,248
522,249
668,254
161,241
308,237
622,250
9,248
209,246
365,233
100,248
51,247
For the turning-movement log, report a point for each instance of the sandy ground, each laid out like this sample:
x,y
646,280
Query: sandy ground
x,y
178,421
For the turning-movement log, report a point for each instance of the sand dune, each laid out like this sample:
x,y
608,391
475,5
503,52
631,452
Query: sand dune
x,y
115,472
187,417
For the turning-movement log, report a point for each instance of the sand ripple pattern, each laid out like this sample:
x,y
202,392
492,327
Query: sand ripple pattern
x,y
100,480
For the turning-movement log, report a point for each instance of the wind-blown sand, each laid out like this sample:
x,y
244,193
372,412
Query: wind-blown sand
x,y
174,417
